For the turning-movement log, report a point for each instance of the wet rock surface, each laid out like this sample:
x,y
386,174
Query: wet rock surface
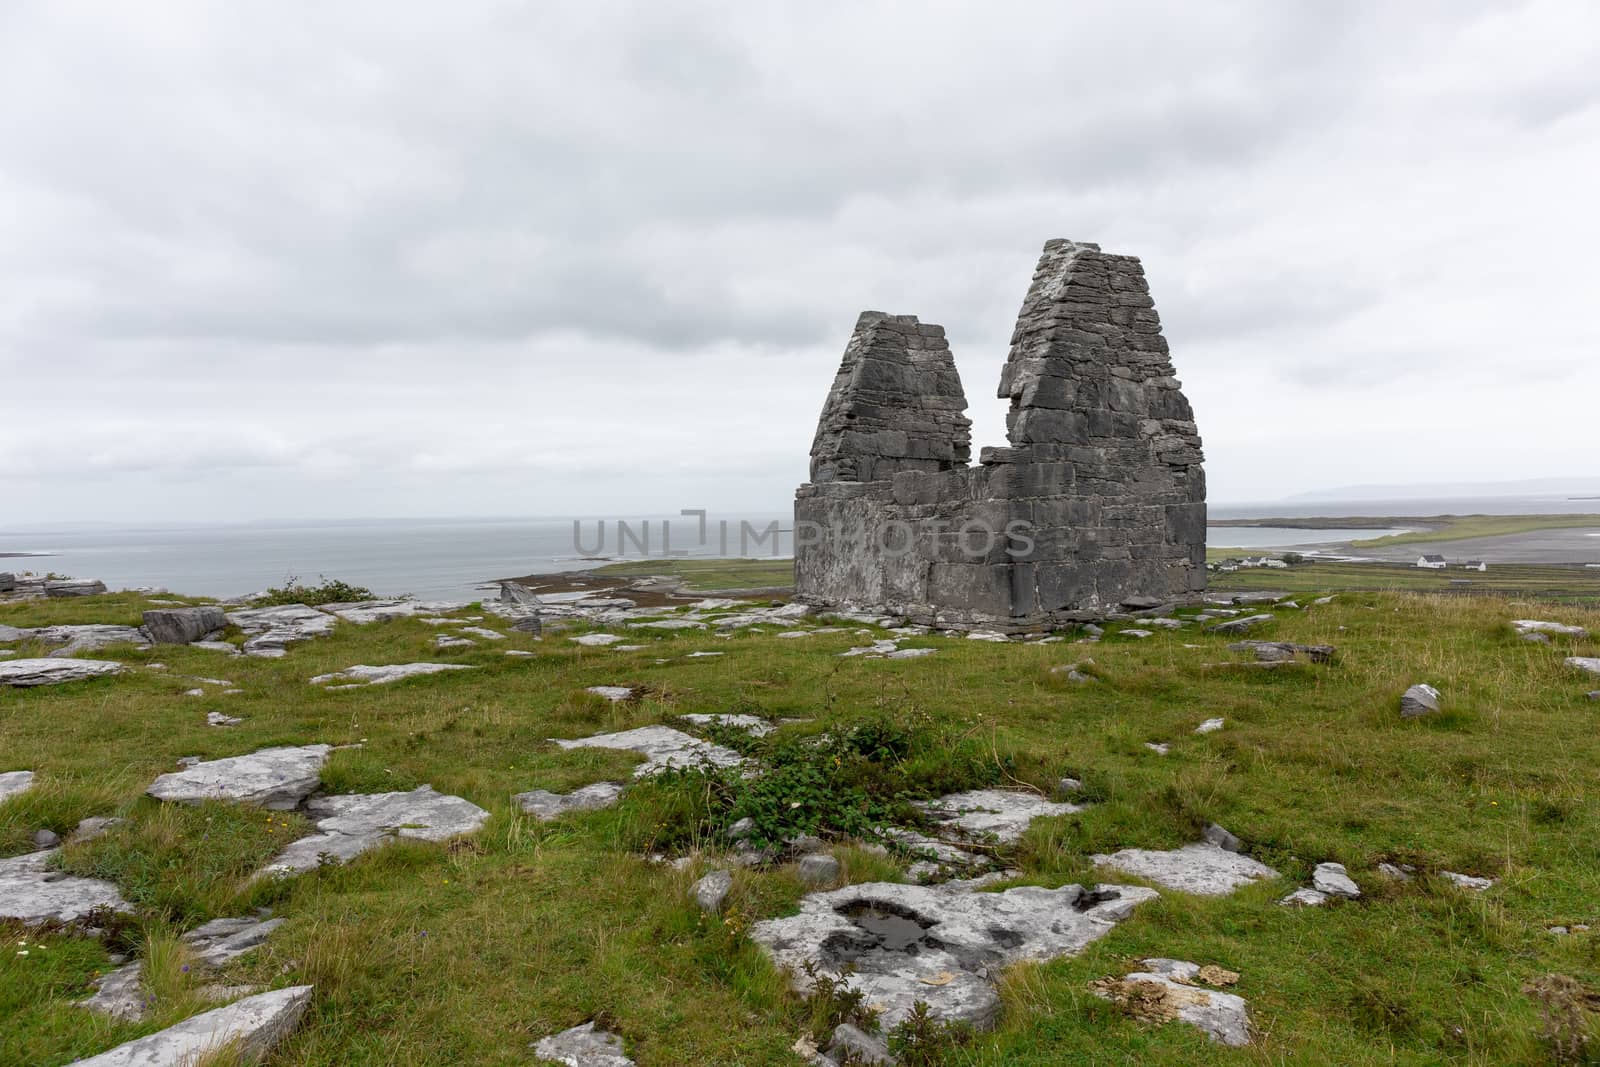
x,y
942,944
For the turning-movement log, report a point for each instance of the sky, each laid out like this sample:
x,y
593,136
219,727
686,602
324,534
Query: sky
x,y
265,260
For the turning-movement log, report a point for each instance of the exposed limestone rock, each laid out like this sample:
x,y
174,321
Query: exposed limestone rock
x,y
351,824
1536,626
1467,881
1238,626
851,1044
120,994
668,624
997,815
596,640
1224,840
8,581
819,869
362,674
1201,868
546,805
255,1024
180,626
1335,881
1305,898
750,724
71,640
369,611
69,587
938,944
662,747
614,693
1099,498
1418,701
1210,726
446,641
272,630
583,1046
277,779
1284,651
484,632
1591,664
14,783
711,891
216,718
1166,992
31,892
30,672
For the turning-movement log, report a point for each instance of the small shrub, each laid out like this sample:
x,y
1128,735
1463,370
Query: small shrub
x,y
922,1040
326,591
833,1000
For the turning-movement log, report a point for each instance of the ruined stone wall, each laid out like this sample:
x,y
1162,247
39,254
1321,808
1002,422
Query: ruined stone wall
x,y
1099,498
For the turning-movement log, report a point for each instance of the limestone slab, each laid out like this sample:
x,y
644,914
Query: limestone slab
x,y
1166,990
350,824
31,892
662,747
998,815
1201,868
1590,664
753,725
545,805
25,673
14,783
363,674
255,1024
938,944
583,1046
277,779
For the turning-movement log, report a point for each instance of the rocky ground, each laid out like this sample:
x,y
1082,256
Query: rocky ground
x,y
617,823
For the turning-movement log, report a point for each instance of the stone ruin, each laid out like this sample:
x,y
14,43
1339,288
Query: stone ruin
x,y
1098,501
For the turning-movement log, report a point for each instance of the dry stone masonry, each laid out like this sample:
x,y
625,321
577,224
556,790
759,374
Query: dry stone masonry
x,y
1099,498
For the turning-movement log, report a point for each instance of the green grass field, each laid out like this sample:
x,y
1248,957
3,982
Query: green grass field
x,y
711,575
435,954
1567,583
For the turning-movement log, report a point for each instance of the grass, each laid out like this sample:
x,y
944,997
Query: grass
x,y
425,954
1468,527
1566,583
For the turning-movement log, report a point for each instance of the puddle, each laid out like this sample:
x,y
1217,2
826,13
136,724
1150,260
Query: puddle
x,y
880,927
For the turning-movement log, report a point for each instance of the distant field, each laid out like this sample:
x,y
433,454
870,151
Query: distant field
x,y
1467,527
711,575
1569,584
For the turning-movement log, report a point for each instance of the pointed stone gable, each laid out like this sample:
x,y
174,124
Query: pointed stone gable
x,y
1099,497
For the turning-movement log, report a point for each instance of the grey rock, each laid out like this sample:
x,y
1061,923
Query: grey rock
x,y
1137,633
1305,898
31,672
1394,873
272,630
992,814
1068,786
446,641
1335,881
255,1024
45,838
1238,626
1467,881
851,1044
70,587
1224,1017
596,640
529,624
819,869
583,1046
1593,694
484,632
662,747
1201,868
1224,840
1589,664
741,829
31,892
1160,748
1536,639
1284,651
8,581
181,626
94,826
711,891
363,612
1210,726
216,718
15,783
1419,700
362,674
120,994
218,646
277,779
351,824
938,944
546,806
66,641
750,724
1537,626
614,693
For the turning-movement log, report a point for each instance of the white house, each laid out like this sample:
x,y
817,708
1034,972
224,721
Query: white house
x,y
1433,563
1474,565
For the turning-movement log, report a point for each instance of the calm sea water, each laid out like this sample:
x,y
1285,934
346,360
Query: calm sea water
x,y
452,557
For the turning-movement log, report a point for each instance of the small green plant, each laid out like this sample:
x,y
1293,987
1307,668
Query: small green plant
x,y
833,1000
326,591
921,1040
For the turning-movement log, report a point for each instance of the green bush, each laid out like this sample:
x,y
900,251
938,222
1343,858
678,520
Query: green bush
x,y
326,591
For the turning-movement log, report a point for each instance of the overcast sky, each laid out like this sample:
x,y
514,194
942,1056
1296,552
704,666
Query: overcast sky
x,y
362,259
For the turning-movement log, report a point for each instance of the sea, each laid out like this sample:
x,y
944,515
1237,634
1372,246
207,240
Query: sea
x,y
455,558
